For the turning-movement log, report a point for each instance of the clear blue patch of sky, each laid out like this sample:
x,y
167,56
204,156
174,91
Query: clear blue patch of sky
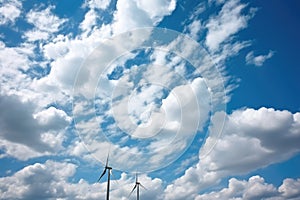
x,y
275,84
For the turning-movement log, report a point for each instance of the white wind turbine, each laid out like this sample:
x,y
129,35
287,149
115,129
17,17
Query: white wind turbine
x,y
137,187
108,176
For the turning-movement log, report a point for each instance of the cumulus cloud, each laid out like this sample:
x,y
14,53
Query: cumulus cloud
x,y
50,180
229,21
251,139
14,57
142,109
90,20
38,181
45,23
140,13
255,188
244,146
68,54
10,10
259,60
290,188
40,132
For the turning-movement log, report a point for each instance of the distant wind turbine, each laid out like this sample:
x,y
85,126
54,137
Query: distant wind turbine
x,y
108,176
137,187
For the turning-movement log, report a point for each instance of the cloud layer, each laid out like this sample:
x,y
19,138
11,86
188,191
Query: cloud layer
x,y
165,95
245,145
255,188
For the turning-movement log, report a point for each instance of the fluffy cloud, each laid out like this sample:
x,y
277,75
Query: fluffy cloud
x,y
258,60
48,181
132,14
40,130
64,69
194,28
100,4
35,133
37,181
169,125
10,10
45,23
250,139
255,188
63,55
290,188
15,57
90,20
229,21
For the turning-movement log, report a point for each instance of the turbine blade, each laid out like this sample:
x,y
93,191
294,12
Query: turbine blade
x,y
102,174
136,177
143,186
132,190
106,164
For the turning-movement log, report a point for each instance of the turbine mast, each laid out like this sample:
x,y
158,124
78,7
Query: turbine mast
x,y
108,182
106,169
138,191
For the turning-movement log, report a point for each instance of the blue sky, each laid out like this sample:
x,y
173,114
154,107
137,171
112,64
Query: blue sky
x,y
198,97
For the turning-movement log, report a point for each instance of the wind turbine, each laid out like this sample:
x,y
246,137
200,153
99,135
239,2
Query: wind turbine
x,y
108,177
137,187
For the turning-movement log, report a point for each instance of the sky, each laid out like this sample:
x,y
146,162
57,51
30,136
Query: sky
x,y
198,98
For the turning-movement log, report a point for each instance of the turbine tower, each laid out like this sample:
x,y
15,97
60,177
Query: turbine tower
x,y
137,187
108,176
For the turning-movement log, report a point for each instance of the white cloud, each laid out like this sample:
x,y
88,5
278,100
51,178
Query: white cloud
x,y
213,65
52,118
18,75
39,133
290,188
157,9
183,112
101,4
65,54
172,124
18,151
34,35
48,181
255,188
217,2
90,20
131,14
259,60
10,10
229,21
244,146
45,23
194,29
68,54
45,20
14,57
38,181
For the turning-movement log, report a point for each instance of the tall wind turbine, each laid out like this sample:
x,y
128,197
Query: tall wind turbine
x,y
108,176
137,187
